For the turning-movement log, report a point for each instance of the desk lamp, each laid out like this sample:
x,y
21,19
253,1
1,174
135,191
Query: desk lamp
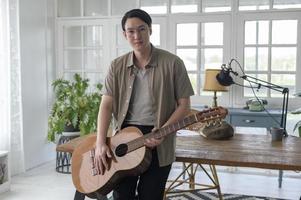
x,y
211,84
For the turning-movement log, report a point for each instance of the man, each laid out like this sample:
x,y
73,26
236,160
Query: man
x,y
147,88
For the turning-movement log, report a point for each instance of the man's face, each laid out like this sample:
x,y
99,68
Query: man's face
x,y
137,33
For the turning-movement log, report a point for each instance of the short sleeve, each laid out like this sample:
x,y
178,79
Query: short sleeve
x,y
183,87
107,89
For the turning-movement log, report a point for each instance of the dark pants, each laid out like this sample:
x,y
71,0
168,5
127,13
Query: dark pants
x,y
151,183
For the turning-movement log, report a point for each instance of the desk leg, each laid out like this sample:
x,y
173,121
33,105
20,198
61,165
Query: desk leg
x,y
280,178
216,182
192,177
191,170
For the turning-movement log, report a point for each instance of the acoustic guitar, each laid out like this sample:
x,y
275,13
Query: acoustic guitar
x,y
129,154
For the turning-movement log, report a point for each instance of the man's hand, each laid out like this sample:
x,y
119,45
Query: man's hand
x,y
152,142
102,154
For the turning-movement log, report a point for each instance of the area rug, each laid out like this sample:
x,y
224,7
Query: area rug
x,y
199,195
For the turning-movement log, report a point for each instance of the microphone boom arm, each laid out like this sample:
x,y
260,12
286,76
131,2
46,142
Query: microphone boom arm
x,y
261,83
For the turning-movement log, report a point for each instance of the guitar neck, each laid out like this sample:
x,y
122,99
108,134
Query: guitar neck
x,y
203,116
162,132
166,130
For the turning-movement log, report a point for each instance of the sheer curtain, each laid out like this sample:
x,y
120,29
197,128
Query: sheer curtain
x,y
4,78
10,85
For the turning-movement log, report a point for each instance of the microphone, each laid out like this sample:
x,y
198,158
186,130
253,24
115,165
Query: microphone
x,y
224,77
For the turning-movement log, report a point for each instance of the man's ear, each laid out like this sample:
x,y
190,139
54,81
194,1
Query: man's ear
x,y
124,34
150,30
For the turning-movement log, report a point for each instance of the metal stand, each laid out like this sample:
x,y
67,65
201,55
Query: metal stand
x,y
261,83
63,159
190,169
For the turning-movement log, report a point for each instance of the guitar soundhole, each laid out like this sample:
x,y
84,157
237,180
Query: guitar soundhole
x,y
121,150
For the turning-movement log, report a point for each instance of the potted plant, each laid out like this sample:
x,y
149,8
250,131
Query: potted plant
x,y
298,126
74,107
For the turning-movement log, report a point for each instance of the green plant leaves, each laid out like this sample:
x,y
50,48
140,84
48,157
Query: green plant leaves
x,y
74,105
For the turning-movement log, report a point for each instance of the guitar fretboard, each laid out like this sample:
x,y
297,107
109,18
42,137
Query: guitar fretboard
x,y
207,115
172,128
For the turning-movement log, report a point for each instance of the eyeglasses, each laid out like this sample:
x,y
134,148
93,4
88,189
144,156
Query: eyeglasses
x,y
132,31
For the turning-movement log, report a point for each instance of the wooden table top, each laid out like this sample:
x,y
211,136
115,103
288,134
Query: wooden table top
x,y
243,150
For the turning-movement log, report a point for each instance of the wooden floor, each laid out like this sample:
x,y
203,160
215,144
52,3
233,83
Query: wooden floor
x,y
44,183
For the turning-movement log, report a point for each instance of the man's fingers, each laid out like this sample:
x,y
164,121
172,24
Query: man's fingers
x,y
102,154
109,154
153,142
104,162
99,167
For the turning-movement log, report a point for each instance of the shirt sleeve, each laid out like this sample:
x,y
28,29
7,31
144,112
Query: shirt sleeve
x,y
107,89
183,87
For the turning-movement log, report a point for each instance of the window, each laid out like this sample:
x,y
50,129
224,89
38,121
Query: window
x,y
268,4
270,49
96,7
81,49
188,6
280,4
200,43
209,50
68,8
119,8
154,7
271,57
85,49
204,33
254,5
216,5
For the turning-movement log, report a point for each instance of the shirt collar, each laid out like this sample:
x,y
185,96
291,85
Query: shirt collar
x,y
152,63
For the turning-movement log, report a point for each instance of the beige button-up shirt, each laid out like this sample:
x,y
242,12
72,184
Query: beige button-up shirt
x,y
168,82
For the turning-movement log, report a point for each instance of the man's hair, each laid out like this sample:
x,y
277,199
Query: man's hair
x,y
141,14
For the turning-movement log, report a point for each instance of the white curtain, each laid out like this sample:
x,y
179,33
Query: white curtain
x,y
4,78
10,85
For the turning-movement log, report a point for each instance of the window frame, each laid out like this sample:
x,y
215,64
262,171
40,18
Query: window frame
x,y
61,70
198,100
233,36
273,102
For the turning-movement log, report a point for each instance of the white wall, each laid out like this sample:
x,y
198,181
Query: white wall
x,y
34,35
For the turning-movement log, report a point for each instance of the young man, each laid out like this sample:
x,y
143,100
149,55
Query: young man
x,y
147,88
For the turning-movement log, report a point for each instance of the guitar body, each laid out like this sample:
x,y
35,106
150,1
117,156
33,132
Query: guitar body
x,y
132,163
129,154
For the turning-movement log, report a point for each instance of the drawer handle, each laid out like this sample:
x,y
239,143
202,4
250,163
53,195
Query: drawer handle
x,y
249,121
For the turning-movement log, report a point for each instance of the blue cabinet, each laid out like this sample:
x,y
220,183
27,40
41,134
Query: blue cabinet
x,y
246,118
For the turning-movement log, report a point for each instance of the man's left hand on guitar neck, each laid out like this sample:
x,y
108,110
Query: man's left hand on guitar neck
x,y
152,143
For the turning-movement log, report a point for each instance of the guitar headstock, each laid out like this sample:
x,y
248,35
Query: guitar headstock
x,y
211,114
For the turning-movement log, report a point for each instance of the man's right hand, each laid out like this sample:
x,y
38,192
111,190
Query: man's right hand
x,y
102,155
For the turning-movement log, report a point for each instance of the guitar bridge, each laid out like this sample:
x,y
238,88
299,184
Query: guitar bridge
x,y
92,156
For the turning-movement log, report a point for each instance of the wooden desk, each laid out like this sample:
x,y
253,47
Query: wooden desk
x,y
242,150
245,118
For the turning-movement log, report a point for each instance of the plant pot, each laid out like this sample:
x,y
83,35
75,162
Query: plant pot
x,y
69,134
71,128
